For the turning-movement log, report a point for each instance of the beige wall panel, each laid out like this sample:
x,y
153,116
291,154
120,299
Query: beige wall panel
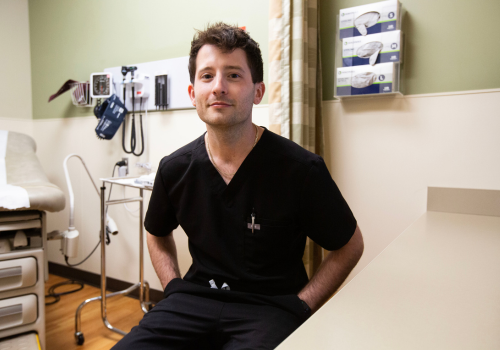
x,y
21,125
463,201
384,153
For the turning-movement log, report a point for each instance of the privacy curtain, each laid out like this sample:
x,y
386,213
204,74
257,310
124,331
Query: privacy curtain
x,y
295,93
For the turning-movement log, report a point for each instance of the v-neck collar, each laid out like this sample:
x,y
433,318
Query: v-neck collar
x,y
219,186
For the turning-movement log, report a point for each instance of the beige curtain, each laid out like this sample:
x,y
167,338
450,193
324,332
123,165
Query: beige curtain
x,y
295,92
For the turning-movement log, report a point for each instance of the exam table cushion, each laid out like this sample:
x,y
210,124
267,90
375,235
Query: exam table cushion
x,y
23,169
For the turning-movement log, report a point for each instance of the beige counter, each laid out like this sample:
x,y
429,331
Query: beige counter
x,y
437,286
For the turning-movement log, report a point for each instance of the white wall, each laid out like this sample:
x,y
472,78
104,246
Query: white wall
x,y
17,124
15,62
384,153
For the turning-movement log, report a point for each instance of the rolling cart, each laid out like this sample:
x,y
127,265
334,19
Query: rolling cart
x,y
142,285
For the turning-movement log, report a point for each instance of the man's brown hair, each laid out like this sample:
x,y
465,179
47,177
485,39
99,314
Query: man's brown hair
x,y
227,38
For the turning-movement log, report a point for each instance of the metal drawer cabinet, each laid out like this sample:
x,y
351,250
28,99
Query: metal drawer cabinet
x,y
22,278
18,311
17,273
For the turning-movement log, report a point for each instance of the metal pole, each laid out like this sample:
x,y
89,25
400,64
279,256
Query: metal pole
x,y
125,200
142,285
103,253
141,251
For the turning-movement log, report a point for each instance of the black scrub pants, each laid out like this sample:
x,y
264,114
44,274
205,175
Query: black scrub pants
x,y
197,318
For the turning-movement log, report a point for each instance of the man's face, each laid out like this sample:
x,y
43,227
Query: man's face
x,y
223,91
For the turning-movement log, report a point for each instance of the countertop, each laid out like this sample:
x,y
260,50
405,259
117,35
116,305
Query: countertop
x,y
436,286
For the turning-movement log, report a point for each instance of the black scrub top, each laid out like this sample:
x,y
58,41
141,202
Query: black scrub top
x,y
291,194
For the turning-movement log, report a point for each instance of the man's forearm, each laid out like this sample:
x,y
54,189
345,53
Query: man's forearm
x,y
332,272
164,257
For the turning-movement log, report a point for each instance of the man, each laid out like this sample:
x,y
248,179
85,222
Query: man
x,y
247,199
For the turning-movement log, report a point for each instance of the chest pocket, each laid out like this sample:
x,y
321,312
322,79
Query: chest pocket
x,y
267,249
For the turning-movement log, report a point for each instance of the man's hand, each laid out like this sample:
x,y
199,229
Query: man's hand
x,y
332,272
164,257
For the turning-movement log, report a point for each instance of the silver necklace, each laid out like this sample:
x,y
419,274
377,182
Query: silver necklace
x,y
212,159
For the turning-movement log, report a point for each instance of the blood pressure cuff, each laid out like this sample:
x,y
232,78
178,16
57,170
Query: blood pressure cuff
x,y
110,114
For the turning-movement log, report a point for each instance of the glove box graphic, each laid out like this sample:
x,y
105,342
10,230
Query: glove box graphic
x,y
365,80
367,19
372,49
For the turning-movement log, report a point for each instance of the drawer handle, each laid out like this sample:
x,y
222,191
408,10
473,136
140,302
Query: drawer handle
x,y
11,310
11,272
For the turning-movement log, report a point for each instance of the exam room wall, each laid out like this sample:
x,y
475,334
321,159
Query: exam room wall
x,y
15,66
72,39
450,141
385,152
382,153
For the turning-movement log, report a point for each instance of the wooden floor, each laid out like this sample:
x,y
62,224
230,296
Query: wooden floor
x,y
123,313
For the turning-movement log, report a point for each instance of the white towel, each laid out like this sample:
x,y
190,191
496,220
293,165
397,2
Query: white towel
x,y
146,180
13,197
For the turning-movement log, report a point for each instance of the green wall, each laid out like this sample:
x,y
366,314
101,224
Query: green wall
x,y
71,39
451,45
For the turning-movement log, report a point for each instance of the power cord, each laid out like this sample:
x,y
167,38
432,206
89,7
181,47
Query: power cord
x,y
57,296
108,239
131,211
81,262
119,164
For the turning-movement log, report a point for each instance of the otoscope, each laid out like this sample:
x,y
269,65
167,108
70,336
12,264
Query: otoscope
x,y
125,71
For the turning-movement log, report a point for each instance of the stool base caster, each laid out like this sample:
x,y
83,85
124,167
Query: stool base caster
x,y
79,338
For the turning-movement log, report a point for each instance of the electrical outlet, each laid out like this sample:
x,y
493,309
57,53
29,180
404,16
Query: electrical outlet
x,y
123,170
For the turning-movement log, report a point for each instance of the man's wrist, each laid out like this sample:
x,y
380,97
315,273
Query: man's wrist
x,y
305,306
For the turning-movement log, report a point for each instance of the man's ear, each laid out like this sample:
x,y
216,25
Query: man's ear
x,y
260,89
191,94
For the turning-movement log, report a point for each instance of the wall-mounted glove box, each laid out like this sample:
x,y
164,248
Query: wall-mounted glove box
x,y
369,51
372,49
372,18
365,80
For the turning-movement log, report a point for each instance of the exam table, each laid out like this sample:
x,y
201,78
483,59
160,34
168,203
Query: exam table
x,y
436,286
25,195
